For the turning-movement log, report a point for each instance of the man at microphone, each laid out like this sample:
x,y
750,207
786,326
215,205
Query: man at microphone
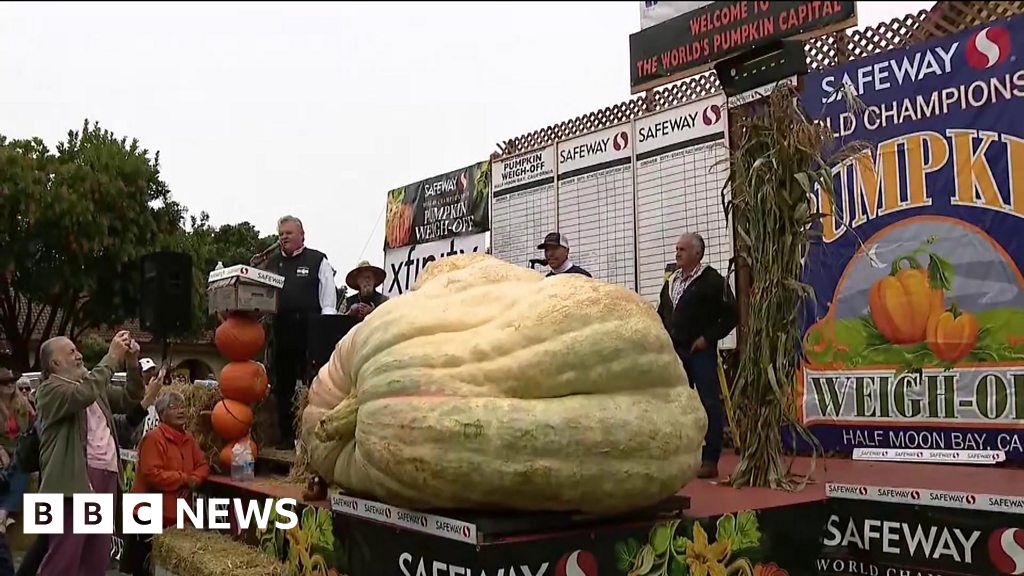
x,y
309,290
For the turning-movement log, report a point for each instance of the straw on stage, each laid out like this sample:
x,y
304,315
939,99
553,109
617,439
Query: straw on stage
x,y
191,552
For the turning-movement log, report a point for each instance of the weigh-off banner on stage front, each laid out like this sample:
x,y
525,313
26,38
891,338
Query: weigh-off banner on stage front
x,y
917,336
453,204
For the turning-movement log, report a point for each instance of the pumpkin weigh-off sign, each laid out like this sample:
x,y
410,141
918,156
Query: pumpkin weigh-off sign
x,y
916,337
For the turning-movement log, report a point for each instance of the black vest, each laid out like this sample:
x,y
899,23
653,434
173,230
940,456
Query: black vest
x,y
301,293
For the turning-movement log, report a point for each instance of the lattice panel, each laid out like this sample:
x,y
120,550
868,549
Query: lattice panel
x,y
822,52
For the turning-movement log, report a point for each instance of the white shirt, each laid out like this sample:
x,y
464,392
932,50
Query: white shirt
x,y
328,291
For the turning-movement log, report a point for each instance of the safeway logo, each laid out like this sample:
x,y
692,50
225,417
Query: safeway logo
x,y
620,142
577,563
712,115
988,48
1006,550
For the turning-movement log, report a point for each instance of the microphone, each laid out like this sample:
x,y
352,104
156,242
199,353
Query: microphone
x,y
538,262
266,252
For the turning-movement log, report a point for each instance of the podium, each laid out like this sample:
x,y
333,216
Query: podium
x,y
243,289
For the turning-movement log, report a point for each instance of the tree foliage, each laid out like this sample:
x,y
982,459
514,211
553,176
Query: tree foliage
x,y
74,223
228,244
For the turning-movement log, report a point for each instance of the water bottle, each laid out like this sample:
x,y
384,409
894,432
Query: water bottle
x,y
248,462
238,461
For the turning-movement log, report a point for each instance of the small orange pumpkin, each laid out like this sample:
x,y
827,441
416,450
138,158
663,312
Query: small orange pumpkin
x,y
225,452
231,419
245,381
952,334
902,303
239,338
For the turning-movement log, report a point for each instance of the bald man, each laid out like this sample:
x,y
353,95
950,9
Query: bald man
x,y
698,309
78,442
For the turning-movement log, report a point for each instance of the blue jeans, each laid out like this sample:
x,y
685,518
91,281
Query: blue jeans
x,y
702,371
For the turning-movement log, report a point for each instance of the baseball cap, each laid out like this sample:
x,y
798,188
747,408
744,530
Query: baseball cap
x,y
147,364
554,239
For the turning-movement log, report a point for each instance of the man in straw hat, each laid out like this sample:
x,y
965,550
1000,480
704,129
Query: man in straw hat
x,y
364,279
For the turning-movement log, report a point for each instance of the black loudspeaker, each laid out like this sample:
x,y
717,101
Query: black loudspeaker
x,y
762,66
165,304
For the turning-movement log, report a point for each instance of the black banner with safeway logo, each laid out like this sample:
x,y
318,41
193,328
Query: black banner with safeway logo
x,y
862,538
762,543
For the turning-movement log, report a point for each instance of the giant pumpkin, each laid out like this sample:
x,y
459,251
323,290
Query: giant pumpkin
x,y
488,386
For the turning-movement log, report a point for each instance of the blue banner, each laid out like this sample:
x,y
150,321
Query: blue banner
x,y
916,339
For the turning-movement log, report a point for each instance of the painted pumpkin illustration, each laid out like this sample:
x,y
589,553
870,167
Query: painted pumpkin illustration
x,y
902,303
952,334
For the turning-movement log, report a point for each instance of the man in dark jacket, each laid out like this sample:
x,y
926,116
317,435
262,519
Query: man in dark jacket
x,y
556,251
309,290
698,309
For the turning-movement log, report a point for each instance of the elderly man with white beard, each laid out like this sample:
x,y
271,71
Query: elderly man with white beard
x,y
78,441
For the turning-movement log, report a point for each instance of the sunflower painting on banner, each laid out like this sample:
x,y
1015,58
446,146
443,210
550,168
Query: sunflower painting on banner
x,y
915,336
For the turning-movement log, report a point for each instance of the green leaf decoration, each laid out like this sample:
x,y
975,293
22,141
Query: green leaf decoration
x,y
747,531
318,527
678,568
739,531
726,527
625,554
940,272
661,537
679,545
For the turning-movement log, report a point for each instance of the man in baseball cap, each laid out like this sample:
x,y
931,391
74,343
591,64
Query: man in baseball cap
x,y
556,250
147,364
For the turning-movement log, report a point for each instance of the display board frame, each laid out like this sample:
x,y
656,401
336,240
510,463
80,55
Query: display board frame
x,y
496,164
630,127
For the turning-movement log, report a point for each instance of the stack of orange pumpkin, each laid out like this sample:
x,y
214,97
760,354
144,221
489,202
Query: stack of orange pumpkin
x,y
243,382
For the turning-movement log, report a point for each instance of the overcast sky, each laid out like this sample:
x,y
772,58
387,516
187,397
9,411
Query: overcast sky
x,y
315,109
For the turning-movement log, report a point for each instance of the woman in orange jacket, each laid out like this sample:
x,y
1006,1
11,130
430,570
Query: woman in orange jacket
x,y
170,462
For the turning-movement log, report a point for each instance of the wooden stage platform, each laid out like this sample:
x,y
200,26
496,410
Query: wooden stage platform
x,y
709,498
852,518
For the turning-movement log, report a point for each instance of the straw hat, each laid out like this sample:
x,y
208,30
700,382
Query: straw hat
x,y
378,275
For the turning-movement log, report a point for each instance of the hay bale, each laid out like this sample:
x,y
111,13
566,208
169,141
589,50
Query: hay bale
x,y
193,552
199,402
300,467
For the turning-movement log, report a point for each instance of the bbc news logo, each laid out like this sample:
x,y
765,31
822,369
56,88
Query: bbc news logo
x,y
144,513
